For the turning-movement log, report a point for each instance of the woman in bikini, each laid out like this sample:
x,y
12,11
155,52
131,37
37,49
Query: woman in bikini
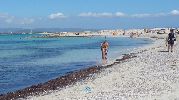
x,y
104,49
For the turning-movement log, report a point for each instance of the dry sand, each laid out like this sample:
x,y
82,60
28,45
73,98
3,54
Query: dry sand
x,y
152,75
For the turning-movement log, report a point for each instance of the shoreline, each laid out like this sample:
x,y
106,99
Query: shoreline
x,y
69,79
61,82
151,75
47,86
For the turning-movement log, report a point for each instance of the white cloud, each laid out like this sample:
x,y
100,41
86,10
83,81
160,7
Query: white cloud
x,y
10,20
149,15
160,14
175,12
120,14
56,16
90,14
6,17
25,21
104,14
141,15
3,15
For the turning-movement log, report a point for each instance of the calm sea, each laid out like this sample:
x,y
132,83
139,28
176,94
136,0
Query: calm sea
x,y
25,61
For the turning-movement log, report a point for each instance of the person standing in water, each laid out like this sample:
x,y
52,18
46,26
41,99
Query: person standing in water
x,y
104,49
171,38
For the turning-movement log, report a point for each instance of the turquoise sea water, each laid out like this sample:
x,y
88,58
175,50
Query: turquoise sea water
x,y
25,61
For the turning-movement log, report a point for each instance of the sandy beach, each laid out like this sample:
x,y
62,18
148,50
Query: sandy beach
x,y
152,75
89,50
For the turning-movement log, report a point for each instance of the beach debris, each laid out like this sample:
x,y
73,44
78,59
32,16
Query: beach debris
x,y
88,89
53,84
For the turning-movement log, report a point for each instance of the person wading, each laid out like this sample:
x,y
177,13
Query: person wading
x,y
104,50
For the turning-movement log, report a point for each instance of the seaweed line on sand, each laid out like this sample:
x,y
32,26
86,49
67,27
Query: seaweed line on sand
x,y
63,81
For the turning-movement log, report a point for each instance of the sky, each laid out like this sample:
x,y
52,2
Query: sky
x,y
89,14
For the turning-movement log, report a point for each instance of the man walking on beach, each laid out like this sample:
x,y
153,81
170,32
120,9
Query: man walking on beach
x,y
171,38
104,49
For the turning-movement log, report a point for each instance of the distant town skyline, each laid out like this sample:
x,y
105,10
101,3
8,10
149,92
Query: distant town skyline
x,y
89,14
